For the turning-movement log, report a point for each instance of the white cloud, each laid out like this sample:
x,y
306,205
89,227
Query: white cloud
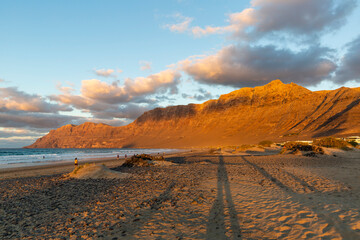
x,y
104,72
349,69
113,101
243,65
11,99
305,18
182,24
18,133
66,90
34,120
132,88
145,65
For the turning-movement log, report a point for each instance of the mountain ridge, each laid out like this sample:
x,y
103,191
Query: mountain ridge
x,y
275,111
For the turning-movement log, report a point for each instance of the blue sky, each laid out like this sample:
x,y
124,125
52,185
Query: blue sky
x,y
65,62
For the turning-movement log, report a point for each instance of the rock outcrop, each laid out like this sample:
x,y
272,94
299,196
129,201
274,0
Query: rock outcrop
x,y
276,111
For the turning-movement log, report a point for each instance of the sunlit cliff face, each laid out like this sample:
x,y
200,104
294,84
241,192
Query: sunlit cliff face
x,y
275,111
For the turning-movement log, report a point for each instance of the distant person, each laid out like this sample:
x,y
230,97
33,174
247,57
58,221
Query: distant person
x,y
125,156
118,156
43,157
76,162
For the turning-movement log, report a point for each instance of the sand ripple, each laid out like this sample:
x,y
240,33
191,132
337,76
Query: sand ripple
x,y
228,197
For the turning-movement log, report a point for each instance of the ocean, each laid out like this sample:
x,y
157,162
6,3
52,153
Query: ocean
x,y
22,157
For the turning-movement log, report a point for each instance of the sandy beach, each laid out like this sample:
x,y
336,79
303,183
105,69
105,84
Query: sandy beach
x,y
194,195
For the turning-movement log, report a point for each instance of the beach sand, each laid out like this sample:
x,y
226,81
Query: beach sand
x,y
199,196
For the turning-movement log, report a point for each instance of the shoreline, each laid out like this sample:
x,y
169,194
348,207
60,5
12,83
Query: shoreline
x,y
52,168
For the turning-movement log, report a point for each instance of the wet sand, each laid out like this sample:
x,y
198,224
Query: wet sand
x,y
199,196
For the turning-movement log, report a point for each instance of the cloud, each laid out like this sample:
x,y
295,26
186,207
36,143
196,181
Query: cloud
x,y
18,133
165,98
11,99
107,101
349,69
105,111
132,88
302,22
199,32
78,102
66,90
130,100
128,111
34,120
16,142
204,95
145,65
244,65
182,24
305,18
111,122
107,72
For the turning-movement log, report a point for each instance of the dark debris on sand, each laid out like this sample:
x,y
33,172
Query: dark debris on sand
x,y
141,160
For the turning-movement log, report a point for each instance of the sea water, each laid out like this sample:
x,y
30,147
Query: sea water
x,y
22,157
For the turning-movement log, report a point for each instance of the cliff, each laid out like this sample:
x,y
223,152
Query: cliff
x,y
276,111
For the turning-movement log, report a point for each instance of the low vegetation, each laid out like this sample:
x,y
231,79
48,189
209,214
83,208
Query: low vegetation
x,y
331,142
266,143
296,147
141,160
353,143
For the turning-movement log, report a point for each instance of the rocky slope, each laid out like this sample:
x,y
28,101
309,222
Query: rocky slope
x,y
276,111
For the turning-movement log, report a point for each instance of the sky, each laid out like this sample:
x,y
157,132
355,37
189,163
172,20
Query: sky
x,y
69,62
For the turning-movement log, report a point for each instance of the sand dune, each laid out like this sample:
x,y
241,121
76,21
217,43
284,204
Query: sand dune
x,y
95,172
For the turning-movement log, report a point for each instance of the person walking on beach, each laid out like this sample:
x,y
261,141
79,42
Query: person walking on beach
x,y
76,162
125,156
117,157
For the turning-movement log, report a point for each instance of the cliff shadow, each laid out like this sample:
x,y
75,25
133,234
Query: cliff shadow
x,y
178,160
336,116
129,145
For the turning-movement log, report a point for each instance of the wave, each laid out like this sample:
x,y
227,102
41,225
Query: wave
x,y
44,156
